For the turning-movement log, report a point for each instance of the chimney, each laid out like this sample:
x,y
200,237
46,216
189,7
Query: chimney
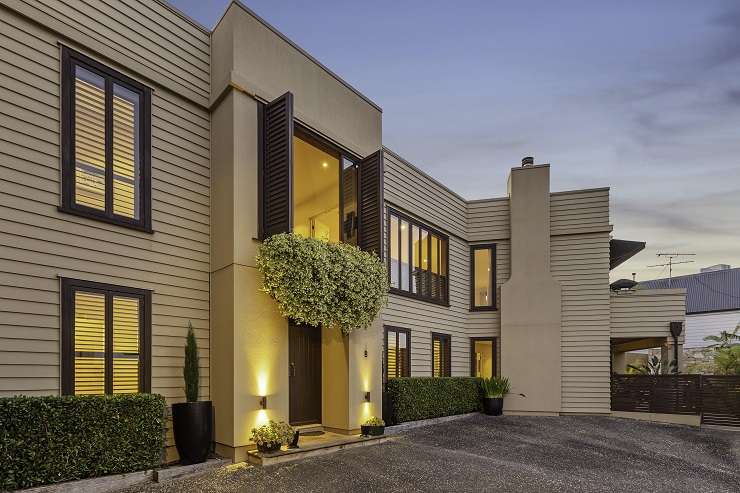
x,y
527,161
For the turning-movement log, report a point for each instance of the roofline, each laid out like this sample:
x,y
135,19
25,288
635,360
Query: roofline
x,y
489,199
707,312
425,174
690,275
166,4
298,48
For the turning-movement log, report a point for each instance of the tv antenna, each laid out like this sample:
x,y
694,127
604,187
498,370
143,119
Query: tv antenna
x,y
671,263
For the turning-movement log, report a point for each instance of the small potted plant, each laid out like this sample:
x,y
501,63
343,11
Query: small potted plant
x,y
373,427
192,421
271,436
494,390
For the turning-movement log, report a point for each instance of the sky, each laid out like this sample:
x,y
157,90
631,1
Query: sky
x,y
642,97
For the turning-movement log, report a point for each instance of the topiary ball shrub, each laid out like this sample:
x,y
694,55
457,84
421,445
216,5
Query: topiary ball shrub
x,y
317,283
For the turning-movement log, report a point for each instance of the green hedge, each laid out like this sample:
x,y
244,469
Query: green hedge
x,y
52,439
416,398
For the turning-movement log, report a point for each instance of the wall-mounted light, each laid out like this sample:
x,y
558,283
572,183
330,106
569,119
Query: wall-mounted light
x,y
263,402
367,396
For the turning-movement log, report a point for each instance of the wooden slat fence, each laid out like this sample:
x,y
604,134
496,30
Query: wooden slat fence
x,y
715,397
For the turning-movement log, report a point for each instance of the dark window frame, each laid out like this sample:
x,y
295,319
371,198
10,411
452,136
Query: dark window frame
x,y
70,59
397,330
69,287
493,305
446,348
315,139
494,359
445,301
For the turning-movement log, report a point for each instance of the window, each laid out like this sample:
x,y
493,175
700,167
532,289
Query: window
x,y
417,259
105,143
440,355
483,277
106,338
482,357
397,353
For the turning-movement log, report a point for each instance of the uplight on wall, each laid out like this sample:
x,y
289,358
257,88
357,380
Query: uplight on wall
x,y
263,402
367,396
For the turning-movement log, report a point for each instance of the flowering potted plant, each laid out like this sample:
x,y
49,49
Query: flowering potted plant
x,y
494,390
270,437
373,427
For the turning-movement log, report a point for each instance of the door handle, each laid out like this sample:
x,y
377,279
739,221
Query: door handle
x,y
291,372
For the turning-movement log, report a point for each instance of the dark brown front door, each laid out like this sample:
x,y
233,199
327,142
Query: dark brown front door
x,y
305,374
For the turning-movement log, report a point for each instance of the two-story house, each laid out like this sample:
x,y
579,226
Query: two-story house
x,y
145,157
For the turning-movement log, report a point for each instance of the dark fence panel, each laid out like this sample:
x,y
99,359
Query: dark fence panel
x,y
715,397
721,400
667,394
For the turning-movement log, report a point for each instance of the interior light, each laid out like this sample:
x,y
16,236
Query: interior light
x,y
324,164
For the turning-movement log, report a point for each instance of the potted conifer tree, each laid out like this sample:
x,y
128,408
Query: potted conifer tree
x,y
192,421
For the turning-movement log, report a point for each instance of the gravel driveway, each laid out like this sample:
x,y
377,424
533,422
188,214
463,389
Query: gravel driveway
x,y
481,453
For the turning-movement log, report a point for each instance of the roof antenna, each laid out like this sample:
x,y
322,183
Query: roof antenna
x,y
671,263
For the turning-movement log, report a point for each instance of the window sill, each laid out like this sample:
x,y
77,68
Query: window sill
x,y
106,219
483,309
416,297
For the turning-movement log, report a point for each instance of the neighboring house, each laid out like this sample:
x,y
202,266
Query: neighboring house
x,y
712,301
145,157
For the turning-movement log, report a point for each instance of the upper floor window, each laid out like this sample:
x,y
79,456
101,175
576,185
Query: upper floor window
x,y
106,137
483,277
106,338
417,259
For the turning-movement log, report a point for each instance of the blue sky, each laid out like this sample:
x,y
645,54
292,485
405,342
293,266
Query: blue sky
x,y
643,97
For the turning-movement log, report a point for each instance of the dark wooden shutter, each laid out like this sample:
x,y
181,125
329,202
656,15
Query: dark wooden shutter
x,y
370,208
277,166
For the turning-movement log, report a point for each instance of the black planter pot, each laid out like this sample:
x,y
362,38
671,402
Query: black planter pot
x,y
493,406
192,423
372,431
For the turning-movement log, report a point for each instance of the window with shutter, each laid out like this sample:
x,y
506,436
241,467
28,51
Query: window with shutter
x,y
106,138
106,338
277,166
397,353
441,355
370,171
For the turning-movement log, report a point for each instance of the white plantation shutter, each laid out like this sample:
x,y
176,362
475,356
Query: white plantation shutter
x,y
89,128
125,152
125,345
89,343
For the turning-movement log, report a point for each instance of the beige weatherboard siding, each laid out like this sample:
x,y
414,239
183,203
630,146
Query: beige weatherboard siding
x,y
40,244
552,248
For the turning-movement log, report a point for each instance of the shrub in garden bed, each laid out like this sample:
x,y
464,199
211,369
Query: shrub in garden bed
x,y
415,398
53,439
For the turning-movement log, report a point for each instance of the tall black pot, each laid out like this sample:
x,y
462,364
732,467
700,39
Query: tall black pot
x,y
493,406
192,423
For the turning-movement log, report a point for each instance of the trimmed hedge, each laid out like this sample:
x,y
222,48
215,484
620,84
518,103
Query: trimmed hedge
x,y
53,439
414,398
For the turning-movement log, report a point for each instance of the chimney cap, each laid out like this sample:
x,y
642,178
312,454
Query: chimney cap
x,y
527,161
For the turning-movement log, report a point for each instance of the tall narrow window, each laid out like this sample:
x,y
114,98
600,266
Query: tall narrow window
x,y
105,143
417,259
483,277
397,353
441,355
105,338
482,357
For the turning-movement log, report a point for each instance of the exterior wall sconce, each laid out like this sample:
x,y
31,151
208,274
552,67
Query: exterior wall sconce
x,y
367,396
263,402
